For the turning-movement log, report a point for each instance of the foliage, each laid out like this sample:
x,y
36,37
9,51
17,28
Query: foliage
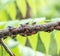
x,y
36,8
46,43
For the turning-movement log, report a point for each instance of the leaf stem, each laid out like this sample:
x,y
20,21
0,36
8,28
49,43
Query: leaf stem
x,y
6,48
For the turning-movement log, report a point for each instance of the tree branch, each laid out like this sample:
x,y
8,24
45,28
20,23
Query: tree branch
x,y
28,30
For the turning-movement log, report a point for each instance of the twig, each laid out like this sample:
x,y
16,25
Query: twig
x,y
6,48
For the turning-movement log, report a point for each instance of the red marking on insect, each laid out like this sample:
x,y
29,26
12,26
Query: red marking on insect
x,y
57,27
33,32
15,30
51,28
37,28
27,30
26,27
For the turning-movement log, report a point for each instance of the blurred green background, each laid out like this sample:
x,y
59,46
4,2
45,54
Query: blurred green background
x,y
16,12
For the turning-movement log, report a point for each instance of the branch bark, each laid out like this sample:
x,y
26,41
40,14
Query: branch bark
x,y
28,30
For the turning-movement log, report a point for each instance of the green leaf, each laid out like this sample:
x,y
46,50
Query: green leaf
x,y
3,15
45,37
22,7
53,44
40,3
40,45
33,41
16,51
32,4
2,25
11,10
21,39
57,37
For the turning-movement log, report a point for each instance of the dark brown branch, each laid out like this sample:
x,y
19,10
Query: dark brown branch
x,y
5,47
29,29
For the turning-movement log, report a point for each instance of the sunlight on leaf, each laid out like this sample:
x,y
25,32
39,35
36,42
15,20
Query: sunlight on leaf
x,y
39,3
16,51
33,41
22,7
11,10
11,43
3,15
21,39
57,37
2,25
45,37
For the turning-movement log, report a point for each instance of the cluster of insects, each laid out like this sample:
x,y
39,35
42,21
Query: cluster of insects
x,y
27,30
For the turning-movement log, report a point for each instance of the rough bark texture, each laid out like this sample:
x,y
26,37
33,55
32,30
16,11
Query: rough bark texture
x,y
29,29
